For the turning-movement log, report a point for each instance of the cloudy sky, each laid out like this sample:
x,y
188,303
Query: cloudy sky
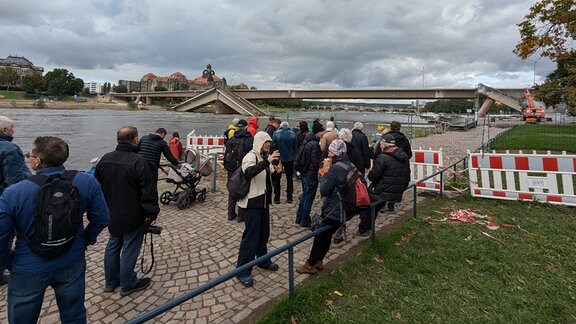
x,y
302,44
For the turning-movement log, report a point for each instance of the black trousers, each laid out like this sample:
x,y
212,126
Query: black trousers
x,y
276,177
322,242
255,237
231,202
365,225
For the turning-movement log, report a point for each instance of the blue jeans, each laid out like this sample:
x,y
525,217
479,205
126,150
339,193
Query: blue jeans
x,y
120,258
26,293
309,188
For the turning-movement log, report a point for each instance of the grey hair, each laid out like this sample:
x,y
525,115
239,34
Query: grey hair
x,y
358,125
345,134
284,123
6,123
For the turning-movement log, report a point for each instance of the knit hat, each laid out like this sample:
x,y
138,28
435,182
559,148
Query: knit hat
x,y
235,121
337,147
317,127
395,126
388,139
242,123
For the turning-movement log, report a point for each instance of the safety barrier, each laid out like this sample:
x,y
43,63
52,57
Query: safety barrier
x,y
206,144
423,164
535,177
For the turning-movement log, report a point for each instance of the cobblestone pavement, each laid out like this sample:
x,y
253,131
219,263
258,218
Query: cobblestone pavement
x,y
199,244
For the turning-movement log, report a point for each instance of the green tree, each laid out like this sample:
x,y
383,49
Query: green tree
x,y
9,77
560,85
61,82
160,88
33,83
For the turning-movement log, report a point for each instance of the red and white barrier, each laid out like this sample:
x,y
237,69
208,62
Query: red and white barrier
x,y
535,177
423,164
206,144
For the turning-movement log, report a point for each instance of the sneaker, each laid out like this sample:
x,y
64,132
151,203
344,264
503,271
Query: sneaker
x,y
363,234
231,217
109,289
246,281
390,207
306,268
337,240
4,279
271,266
140,285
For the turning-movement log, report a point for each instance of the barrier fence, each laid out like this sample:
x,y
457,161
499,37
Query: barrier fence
x,y
290,246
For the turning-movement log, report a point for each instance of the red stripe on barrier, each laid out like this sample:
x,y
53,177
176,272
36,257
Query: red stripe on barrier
x,y
574,164
199,141
436,186
550,164
436,158
422,184
221,141
210,141
474,161
522,163
498,193
477,192
525,196
419,157
495,162
554,198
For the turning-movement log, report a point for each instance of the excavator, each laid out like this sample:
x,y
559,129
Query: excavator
x,y
534,112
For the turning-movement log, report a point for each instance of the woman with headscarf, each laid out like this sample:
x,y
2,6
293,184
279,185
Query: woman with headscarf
x,y
333,186
255,207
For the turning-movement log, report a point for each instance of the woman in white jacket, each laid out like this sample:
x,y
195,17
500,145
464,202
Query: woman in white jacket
x,y
255,207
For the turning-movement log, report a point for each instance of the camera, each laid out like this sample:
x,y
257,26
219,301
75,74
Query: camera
x,y
153,229
275,162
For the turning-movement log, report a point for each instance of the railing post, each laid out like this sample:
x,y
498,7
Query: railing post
x,y
291,272
414,204
373,223
441,183
214,170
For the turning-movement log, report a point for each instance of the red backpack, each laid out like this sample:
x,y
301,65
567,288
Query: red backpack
x,y
356,196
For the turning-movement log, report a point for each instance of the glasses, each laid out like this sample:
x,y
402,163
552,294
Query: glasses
x,y
28,155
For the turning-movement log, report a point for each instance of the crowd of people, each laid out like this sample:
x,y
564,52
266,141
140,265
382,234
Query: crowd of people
x,y
324,154
120,193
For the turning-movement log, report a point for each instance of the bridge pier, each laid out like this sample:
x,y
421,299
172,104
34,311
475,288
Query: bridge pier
x,y
148,100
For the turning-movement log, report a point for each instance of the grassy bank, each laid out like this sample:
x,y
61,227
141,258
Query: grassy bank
x,y
539,137
13,94
433,271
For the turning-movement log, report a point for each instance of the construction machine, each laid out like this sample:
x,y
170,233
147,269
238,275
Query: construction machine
x,y
534,112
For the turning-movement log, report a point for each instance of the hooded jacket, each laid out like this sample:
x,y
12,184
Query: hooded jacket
x,y
12,165
313,156
176,147
303,131
257,168
390,175
252,125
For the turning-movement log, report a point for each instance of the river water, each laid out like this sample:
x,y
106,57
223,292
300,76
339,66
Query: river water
x,y
92,133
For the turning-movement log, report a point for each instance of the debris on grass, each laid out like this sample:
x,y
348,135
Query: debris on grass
x,y
378,259
492,237
337,293
294,319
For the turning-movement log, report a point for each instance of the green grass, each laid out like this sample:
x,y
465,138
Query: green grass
x,y
540,137
448,273
13,94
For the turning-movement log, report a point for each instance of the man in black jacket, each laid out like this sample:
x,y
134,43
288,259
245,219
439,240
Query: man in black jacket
x,y
360,142
245,140
309,177
390,176
129,191
151,146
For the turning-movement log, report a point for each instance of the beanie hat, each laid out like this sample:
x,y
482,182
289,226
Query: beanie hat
x,y
380,128
242,123
395,126
317,127
337,147
388,139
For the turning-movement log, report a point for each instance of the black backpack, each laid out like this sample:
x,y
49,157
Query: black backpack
x,y
233,154
58,214
300,161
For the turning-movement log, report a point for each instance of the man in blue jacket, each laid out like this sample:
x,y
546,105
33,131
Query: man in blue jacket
x,y
31,274
12,167
285,141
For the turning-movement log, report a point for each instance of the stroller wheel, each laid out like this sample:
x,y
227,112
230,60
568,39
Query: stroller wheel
x,y
202,196
183,201
166,197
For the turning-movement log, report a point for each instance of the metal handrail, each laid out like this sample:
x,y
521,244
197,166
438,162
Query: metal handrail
x,y
290,247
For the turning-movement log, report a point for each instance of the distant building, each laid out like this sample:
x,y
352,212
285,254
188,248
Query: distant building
x,y
22,65
130,85
93,87
178,81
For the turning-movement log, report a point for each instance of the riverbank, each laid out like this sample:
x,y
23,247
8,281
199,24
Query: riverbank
x,y
90,104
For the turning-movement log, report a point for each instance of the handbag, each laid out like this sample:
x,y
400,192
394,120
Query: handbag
x,y
238,186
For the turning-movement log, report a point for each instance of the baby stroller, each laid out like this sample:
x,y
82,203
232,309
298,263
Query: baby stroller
x,y
194,167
